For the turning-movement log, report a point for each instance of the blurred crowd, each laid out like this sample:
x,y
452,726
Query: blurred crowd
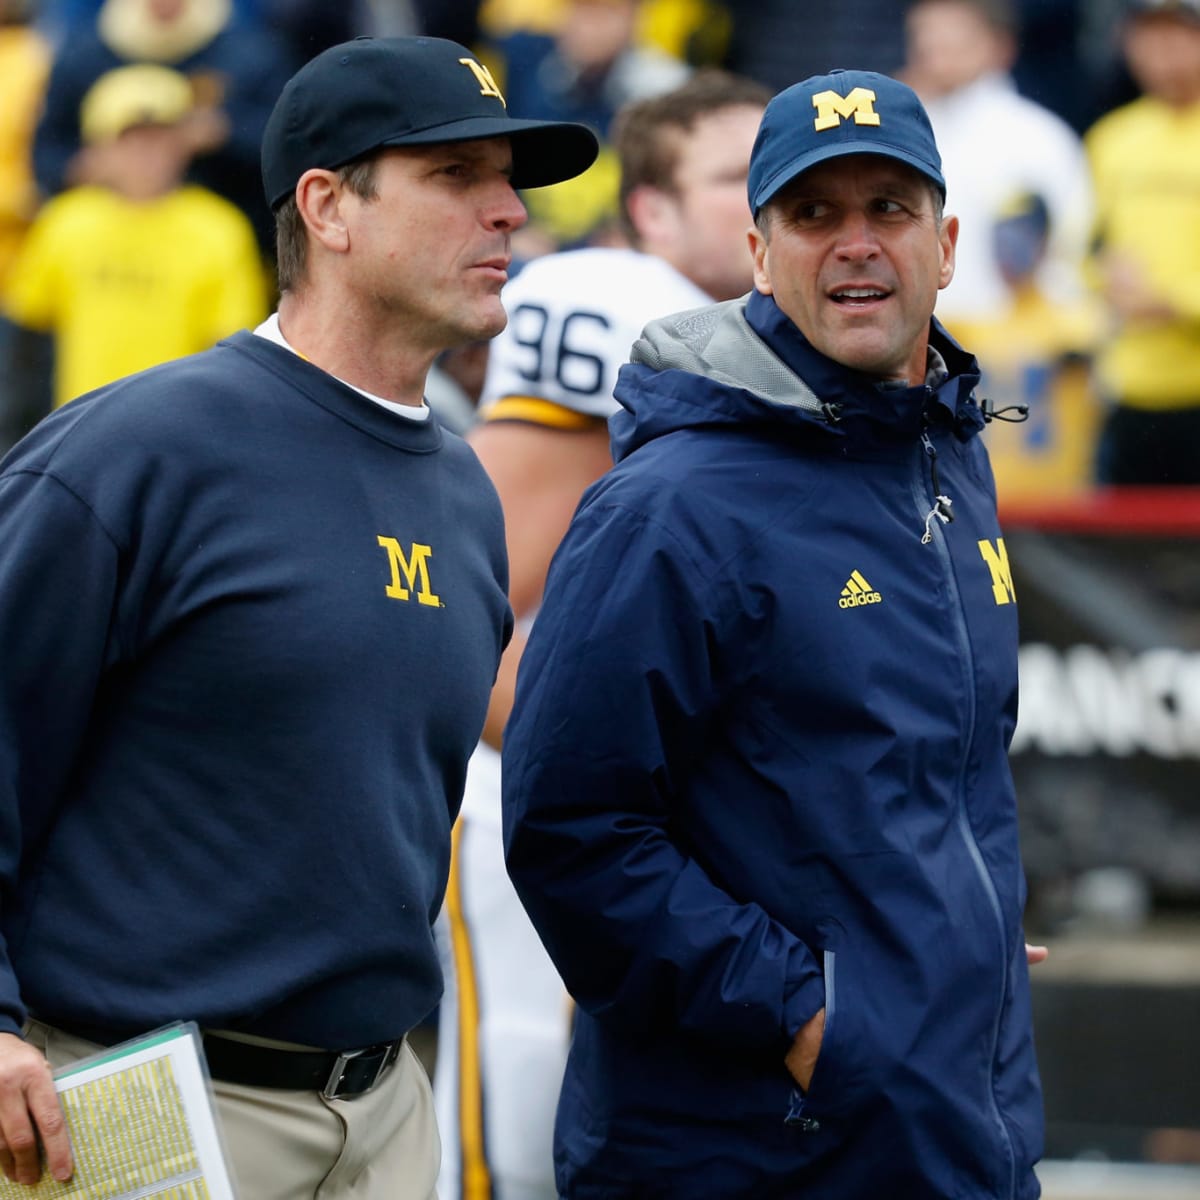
x,y
132,228
133,231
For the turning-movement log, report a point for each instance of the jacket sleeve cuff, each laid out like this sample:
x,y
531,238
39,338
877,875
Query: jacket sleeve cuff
x,y
806,995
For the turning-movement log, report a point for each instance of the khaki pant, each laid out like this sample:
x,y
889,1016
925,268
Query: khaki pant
x,y
288,1145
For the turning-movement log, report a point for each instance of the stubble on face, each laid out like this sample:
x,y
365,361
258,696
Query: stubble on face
x,y
854,253
435,245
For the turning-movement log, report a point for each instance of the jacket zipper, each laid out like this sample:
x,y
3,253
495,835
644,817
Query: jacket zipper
x,y
961,819
943,506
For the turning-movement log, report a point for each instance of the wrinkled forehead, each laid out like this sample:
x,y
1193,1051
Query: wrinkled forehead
x,y
866,171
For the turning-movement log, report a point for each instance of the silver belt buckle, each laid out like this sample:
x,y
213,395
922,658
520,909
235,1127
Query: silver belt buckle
x,y
338,1073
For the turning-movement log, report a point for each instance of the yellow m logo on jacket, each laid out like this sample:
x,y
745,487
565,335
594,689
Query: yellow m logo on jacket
x,y
996,558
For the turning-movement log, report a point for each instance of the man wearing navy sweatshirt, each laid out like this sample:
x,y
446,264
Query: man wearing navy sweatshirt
x,y
251,607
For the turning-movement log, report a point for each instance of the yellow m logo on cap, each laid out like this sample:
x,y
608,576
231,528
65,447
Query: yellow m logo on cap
x,y
831,108
487,85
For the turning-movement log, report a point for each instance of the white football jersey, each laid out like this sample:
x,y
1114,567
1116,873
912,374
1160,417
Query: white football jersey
x,y
504,1022
572,320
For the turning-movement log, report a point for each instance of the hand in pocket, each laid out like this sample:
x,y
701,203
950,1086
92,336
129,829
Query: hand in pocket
x,y
801,1059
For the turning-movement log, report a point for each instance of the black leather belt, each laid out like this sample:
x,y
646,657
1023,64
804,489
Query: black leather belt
x,y
336,1074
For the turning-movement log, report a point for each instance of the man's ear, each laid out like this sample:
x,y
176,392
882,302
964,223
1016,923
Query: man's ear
x,y
649,210
760,252
319,201
948,237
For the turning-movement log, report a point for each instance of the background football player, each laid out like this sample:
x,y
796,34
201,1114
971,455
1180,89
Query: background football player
x,y
573,316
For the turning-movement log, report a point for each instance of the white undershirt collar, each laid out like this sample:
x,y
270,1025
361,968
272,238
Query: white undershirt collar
x,y
269,329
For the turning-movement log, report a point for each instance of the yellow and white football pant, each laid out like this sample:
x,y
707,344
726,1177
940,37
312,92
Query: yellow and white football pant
x,y
504,1022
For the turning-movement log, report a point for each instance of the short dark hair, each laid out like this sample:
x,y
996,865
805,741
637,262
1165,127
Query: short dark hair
x,y
291,237
647,133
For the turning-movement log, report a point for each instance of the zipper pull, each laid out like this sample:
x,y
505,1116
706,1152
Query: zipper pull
x,y
943,506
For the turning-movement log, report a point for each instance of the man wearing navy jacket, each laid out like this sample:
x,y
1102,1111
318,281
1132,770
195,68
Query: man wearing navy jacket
x,y
757,796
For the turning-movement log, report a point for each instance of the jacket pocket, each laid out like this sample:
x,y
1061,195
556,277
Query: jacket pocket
x,y
822,1068
804,1108
848,1068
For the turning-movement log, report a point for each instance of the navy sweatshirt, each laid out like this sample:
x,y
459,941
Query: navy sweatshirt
x,y
249,623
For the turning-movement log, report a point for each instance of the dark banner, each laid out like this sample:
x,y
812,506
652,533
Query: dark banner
x,y
1107,751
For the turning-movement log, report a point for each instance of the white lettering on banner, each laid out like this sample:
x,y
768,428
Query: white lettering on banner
x,y
1100,700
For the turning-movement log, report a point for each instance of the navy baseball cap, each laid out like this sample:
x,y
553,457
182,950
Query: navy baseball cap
x,y
844,112
405,91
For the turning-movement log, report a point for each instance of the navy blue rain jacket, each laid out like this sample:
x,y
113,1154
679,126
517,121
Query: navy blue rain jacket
x,y
758,764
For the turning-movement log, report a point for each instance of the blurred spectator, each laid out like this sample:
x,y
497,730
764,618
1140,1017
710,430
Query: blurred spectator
x,y
236,72
778,42
500,17
457,20
1145,158
24,64
1050,67
64,17
135,268
588,68
995,143
696,32
573,317
310,26
1036,353
1111,84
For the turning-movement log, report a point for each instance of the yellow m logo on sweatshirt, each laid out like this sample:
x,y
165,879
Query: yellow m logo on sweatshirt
x,y
410,573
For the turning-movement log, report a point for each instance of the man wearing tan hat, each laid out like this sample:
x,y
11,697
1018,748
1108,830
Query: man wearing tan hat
x,y
137,267
235,717
236,71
